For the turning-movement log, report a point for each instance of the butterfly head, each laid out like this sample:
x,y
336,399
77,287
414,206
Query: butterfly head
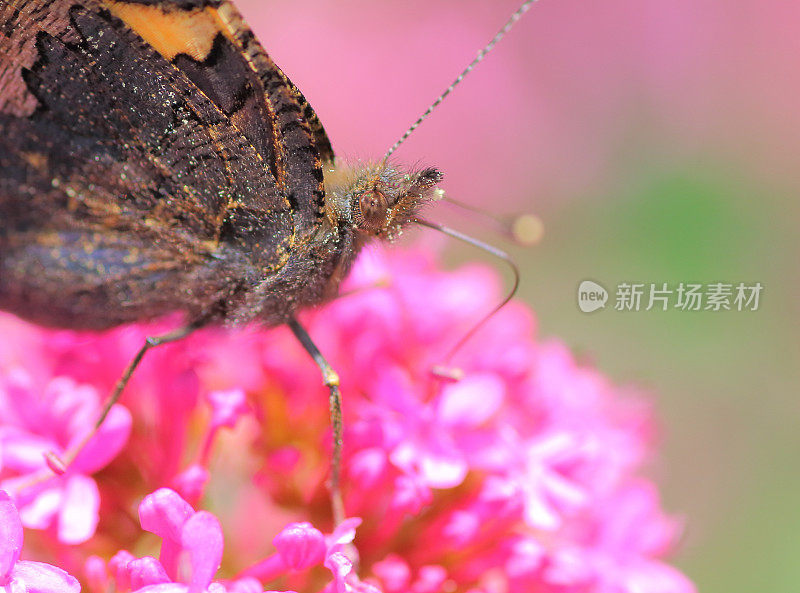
x,y
379,201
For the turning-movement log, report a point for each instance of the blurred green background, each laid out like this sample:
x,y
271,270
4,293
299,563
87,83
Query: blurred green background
x,y
726,382
659,142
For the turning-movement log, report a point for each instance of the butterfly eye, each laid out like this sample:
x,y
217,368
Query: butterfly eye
x,y
373,206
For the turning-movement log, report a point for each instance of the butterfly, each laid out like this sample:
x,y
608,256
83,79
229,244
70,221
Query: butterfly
x,y
154,158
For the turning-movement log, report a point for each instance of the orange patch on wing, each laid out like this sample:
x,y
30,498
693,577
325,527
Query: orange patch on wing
x,y
172,31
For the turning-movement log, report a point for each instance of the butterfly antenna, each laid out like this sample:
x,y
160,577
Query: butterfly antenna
x,y
481,54
499,253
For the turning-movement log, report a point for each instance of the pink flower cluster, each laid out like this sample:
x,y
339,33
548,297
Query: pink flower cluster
x,y
522,475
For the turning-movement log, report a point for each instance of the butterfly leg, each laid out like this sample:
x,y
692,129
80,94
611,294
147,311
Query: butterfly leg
x,y
331,380
61,463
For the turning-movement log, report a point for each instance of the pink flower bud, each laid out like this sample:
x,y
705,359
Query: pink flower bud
x,y
300,545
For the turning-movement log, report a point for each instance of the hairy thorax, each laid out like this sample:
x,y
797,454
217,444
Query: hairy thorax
x,y
362,203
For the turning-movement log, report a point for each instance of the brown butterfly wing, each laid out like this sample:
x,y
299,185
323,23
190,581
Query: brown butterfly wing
x,y
134,181
209,41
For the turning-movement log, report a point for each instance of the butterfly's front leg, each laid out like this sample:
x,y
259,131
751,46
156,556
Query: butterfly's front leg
x,y
331,380
151,342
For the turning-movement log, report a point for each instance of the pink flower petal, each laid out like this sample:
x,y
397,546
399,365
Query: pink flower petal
x,y
471,401
367,467
164,588
106,443
78,512
300,545
119,565
462,527
568,567
164,513
40,512
656,577
14,586
227,407
69,408
540,515
640,525
440,471
345,532
44,578
394,573
191,482
409,494
341,566
201,537
146,571
10,536
525,557
430,579
245,585
96,573
24,451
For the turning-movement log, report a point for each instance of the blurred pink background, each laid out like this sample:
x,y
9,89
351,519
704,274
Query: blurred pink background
x,y
659,142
